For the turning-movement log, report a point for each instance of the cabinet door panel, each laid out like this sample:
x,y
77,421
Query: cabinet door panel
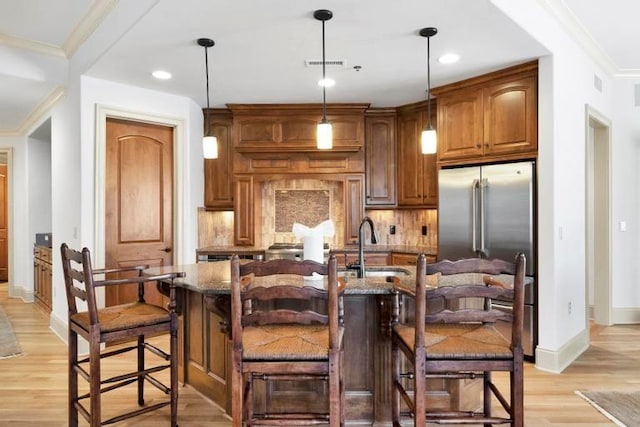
x,y
380,151
460,121
410,177
511,116
218,188
244,211
260,131
298,130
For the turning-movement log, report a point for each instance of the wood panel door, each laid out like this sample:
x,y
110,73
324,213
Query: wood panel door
x,y
138,201
4,252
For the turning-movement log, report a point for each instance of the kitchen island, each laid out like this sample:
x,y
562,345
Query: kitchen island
x,y
368,305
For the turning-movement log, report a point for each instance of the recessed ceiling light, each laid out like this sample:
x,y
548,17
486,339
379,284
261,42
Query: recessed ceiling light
x,y
327,82
449,58
161,75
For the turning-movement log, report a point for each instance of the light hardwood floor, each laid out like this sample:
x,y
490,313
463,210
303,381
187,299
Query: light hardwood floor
x,y
33,387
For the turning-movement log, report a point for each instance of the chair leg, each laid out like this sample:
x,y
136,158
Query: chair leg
x,y
173,361
342,387
486,395
237,392
517,395
334,389
140,369
395,374
94,377
419,382
73,379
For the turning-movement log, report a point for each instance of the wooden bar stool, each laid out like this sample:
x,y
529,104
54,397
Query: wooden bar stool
x,y
285,328
460,341
116,324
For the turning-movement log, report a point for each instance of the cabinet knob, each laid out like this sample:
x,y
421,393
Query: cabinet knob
x,y
478,145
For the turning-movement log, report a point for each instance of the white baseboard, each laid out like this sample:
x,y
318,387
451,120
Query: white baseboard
x,y
24,294
60,328
625,315
556,361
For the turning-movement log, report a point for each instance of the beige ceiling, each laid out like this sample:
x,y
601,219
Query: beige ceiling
x,y
261,47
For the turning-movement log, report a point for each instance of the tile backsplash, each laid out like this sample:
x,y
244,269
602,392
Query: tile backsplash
x,y
216,228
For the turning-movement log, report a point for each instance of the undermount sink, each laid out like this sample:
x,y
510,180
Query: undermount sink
x,y
376,272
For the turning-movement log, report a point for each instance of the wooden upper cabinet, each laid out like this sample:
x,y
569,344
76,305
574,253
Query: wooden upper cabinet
x,y
417,173
281,128
380,157
460,121
218,188
489,118
511,116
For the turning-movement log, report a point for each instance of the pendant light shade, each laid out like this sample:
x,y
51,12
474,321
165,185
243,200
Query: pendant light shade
x,y
324,136
209,142
429,140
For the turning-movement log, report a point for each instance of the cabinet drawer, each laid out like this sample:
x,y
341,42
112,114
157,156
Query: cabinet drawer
x,y
409,259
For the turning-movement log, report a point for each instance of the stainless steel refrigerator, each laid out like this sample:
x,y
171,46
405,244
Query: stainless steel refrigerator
x,y
488,211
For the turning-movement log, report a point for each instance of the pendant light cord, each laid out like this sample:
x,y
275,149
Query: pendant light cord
x,y
324,81
429,81
206,65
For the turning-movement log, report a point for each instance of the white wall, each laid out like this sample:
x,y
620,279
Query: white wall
x,y
626,196
20,242
566,87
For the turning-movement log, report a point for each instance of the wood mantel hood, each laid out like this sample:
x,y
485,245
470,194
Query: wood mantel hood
x,y
281,138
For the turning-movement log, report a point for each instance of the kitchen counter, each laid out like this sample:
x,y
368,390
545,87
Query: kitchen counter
x,y
368,309
214,278
255,250
399,249
226,250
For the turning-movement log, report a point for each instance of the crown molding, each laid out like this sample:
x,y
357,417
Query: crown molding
x,y
36,114
87,25
568,20
31,45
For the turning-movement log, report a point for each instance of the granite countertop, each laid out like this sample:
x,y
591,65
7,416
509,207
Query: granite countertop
x,y
214,278
400,249
216,250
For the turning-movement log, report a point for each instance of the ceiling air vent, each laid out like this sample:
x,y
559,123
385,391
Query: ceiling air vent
x,y
330,63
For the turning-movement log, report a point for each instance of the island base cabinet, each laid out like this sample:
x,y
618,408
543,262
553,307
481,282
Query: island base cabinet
x,y
206,348
367,363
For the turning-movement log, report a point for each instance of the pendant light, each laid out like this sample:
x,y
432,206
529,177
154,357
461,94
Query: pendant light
x,y
429,140
209,142
324,136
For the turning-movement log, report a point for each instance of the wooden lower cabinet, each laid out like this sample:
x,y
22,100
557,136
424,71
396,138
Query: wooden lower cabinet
x,y
206,349
367,363
409,259
42,273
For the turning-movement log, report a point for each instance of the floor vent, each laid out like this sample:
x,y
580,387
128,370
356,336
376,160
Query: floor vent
x,y
329,63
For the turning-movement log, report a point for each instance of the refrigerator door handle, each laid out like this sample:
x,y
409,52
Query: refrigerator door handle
x,y
474,213
481,188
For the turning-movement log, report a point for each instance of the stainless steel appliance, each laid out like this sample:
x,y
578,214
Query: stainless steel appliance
x,y
487,211
289,251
